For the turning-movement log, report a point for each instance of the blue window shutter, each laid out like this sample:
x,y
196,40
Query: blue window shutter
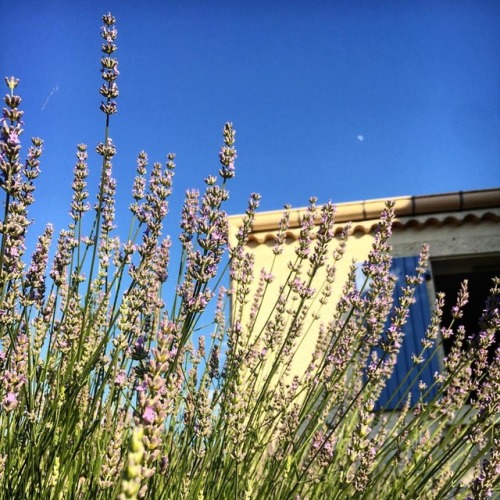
x,y
414,331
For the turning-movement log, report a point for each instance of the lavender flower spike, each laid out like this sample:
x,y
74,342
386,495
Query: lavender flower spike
x,y
227,154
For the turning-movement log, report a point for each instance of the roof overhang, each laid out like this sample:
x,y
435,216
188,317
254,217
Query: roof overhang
x,y
411,211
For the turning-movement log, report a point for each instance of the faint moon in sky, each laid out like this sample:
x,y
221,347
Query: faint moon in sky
x,y
360,138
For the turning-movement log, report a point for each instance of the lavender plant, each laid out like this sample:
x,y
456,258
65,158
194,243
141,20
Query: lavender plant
x,y
109,390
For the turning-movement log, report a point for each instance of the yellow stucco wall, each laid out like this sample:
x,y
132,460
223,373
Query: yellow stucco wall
x,y
448,234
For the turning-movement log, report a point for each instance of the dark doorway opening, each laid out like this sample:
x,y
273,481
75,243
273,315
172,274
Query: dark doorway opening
x,y
448,274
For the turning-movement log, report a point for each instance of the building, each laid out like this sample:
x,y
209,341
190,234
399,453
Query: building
x,y
461,228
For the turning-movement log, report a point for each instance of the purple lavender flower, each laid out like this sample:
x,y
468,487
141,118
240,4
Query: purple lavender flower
x,y
109,70
306,230
283,226
35,276
10,402
227,154
11,82
120,379
13,137
149,415
79,205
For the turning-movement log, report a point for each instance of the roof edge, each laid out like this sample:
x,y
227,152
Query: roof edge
x,y
405,206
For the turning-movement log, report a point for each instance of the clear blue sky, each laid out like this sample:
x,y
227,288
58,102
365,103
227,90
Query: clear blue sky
x,y
345,100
